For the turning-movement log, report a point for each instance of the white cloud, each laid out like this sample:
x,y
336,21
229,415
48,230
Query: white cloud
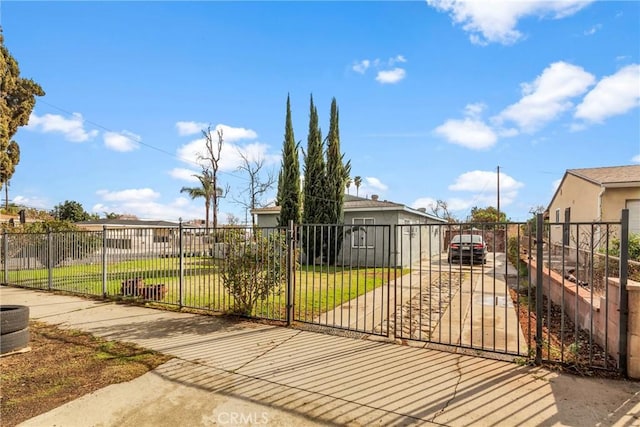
x,y
391,76
555,184
375,183
121,141
231,134
72,128
32,202
484,184
362,66
190,128
385,73
591,31
425,202
194,151
183,174
496,21
474,110
143,202
613,95
547,96
397,58
136,194
470,133
181,207
636,158
370,185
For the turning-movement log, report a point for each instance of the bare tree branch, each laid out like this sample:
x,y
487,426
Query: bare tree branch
x,y
257,186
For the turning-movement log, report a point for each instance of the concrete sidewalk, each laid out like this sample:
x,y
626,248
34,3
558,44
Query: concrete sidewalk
x,y
244,373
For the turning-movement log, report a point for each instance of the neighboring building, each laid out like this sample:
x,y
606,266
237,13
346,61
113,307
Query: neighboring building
x,y
595,195
16,220
368,241
134,235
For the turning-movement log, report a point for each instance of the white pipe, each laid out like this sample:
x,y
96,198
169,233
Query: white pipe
x,y
602,190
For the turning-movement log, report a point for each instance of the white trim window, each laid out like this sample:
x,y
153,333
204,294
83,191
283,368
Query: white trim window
x,y
634,215
558,216
363,236
407,230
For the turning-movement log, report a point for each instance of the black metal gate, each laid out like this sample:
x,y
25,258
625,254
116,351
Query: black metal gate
x,y
528,293
538,290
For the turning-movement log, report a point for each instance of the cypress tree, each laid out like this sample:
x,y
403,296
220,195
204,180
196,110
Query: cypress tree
x,y
337,176
314,211
289,177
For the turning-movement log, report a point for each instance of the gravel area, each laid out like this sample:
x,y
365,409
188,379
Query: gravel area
x,y
419,316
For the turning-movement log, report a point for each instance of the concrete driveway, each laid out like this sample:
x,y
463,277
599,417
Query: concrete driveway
x,y
244,373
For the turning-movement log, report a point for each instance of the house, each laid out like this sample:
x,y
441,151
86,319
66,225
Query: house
x,y
134,235
595,195
368,228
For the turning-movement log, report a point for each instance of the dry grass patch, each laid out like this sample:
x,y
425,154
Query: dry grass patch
x,y
62,366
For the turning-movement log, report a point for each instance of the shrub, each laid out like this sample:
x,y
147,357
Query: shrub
x,y
255,267
634,247
513,255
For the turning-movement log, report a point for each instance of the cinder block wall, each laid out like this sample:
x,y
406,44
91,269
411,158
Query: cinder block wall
x,y
603,312
633,360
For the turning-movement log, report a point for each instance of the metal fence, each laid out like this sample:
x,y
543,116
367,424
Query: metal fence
x,y
525,300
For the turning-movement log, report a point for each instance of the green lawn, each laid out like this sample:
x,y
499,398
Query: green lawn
x,y
317,288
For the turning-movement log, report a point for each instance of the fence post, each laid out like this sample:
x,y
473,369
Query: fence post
x,y
104,261
539,303
49,266
395,278
291,273
5,256
181,273
624,292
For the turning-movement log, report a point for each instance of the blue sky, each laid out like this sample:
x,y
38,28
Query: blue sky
x,y
433,96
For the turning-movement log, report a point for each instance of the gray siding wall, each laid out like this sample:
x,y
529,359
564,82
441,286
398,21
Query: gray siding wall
x,y
414,242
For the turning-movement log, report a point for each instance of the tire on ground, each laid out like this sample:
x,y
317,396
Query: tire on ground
x,y
13,318
14,340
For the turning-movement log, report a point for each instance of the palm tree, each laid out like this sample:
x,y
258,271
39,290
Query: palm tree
x,y
348,184
358,182
205,191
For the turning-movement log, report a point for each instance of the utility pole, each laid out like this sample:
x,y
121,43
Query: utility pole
x,y
498,176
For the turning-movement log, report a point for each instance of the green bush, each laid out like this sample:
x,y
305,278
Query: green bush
x,y
513,256
634,247
255,267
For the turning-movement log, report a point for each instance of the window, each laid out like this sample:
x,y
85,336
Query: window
x,y
634,215
363,235
406,222
557,216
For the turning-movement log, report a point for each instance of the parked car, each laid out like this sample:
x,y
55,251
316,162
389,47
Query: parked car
x,y
467,248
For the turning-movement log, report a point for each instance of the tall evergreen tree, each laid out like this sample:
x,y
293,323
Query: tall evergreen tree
x,y
337,178
17,99
314,202
289,178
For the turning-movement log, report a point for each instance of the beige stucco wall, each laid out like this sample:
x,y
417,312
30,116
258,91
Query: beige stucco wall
x,y
588,202
579,195
615,199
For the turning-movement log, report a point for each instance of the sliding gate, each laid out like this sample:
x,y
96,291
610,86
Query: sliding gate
x,y
545,292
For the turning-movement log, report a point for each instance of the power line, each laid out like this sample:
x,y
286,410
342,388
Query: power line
x,y
160,150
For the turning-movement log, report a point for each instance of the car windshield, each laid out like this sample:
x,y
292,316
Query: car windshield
x,y
467,238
